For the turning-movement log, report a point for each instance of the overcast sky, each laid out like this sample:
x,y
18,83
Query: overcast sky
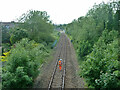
x,y
60,11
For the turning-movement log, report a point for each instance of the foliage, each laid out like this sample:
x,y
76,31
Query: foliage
x,y
95,38
84,49
5,47
23,63
38,26
102,62
56,35
17,79
17,34
4,58
31,40
34,25
107,80
90,27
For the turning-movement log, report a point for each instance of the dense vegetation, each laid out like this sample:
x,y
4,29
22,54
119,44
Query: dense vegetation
x,y
25,48
95,38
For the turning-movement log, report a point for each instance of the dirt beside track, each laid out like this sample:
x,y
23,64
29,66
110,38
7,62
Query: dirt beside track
x,y
66,51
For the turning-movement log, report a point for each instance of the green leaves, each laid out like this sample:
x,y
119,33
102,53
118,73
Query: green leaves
x,y
84,48
38,26
102,62
17,79
22,79
17,34
34,25
23,63
95,38
107,80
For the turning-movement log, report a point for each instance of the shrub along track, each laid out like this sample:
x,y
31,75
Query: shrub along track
x,y
52,77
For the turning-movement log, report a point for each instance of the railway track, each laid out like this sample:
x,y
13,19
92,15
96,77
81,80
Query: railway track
x,y
52,77
57,79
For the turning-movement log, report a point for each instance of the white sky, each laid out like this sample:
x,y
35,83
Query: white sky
x,y
60,11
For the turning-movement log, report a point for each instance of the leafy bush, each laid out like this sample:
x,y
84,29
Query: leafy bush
x,y
107,80
84,49
4,58
17,79
90,30
17,34
23,63
5,47
103,58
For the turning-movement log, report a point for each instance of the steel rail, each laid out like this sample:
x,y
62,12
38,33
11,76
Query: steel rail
x,y
53,74
64,72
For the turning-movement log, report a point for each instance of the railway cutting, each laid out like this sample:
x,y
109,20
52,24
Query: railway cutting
x,y
51,77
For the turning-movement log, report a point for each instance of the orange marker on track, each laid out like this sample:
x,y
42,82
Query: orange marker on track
x,y
60,64
60,67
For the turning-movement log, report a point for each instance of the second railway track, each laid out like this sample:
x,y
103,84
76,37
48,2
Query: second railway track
x,y
58,77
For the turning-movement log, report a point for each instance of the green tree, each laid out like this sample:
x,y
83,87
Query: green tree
x,y
96,46
17,34
101,67
38,26
23,63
